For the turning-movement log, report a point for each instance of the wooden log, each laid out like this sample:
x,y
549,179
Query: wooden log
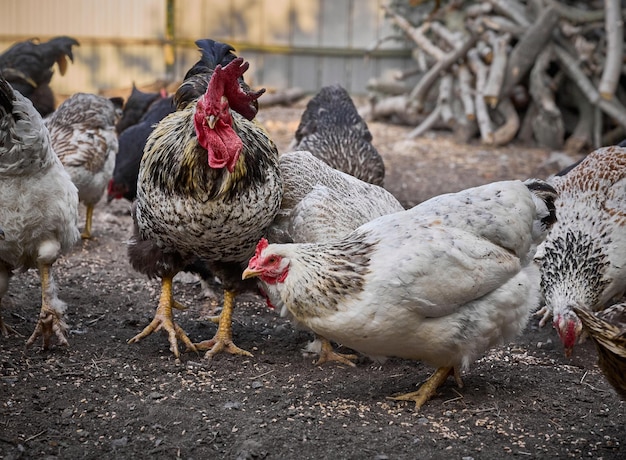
x,y
512,9
285,97
444,99
479,69
548,126
580,138
420,91
465,92
503,25
508,130
612,108
527,48
578,15
417,34
614,25
427,124
493,86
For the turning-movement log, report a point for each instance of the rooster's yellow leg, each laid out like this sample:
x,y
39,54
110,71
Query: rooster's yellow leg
x,y
429,387
328,354
223,339
164,319
86,235
51,322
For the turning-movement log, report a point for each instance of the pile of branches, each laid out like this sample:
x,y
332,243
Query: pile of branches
x,y
538,71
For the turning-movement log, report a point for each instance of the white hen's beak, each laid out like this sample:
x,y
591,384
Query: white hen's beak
x,y
211,120
250,273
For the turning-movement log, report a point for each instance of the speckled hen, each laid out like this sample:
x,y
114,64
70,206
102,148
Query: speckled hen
x,y
82,132
332,130
38,209
582,259
441,282
209,185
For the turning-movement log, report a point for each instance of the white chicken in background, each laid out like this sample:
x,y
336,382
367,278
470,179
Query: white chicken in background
x,y
83,135
442,282
321,204
583,258
38,211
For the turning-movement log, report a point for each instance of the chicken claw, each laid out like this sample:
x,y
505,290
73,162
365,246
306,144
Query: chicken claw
x,y
429,388
51,320
164,319
327,353
50,324
222,341
546,315
86,235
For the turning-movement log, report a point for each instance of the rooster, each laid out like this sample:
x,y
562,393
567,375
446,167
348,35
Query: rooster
x,y
607,330
441,282
82,132
332,130
27,66
582,259
209,185
39,210
321,204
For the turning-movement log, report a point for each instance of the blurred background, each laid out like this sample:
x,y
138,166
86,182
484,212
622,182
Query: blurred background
x,y
290,43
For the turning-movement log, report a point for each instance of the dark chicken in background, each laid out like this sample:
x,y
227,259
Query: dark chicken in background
x,y
82,133
333,131
27,66
136,106
209,185
132,141
38,208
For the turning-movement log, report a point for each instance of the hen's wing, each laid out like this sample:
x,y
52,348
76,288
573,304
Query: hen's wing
x,y
607,329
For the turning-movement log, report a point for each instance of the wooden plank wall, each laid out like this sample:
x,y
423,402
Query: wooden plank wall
x,y
289,43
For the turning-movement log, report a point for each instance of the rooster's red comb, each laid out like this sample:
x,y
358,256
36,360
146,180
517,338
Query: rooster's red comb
x,y
240,100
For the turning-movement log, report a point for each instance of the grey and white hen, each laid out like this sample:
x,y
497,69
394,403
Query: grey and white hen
x,y
582,259
38,211
332,130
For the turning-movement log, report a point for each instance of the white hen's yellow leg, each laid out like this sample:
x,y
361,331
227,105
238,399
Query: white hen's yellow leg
x,y
86,235
327,353
51,322
164,319
429,387
223,339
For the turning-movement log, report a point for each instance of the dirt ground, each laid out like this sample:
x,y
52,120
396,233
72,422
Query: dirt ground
x,y
102,398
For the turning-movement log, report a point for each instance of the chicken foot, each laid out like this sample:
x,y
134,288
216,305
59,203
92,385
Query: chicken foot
x,y
5,329
327,353
164,319
51,322
86,235
429,388
222,341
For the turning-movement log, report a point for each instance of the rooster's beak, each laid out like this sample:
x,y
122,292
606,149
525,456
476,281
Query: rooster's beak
x,y
211,120
250,273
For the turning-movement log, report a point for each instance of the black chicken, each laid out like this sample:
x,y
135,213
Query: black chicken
x,y
27,66
132,141
332,130
137,104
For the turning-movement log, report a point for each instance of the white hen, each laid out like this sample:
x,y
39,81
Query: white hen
x,y
583,258
441,282
39,208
